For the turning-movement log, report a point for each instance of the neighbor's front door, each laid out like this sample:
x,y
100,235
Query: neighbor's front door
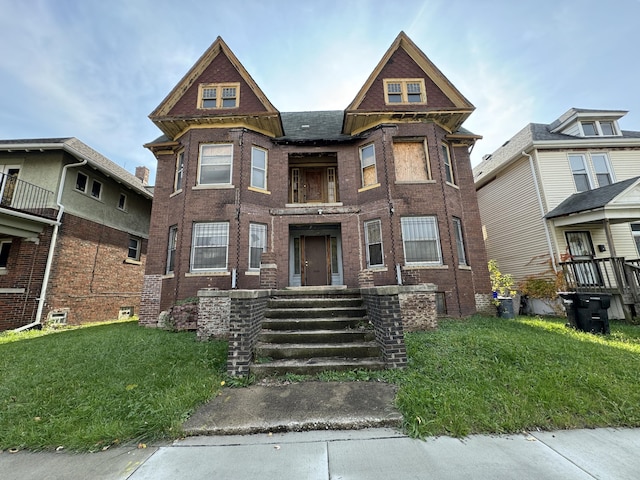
x,y
314,261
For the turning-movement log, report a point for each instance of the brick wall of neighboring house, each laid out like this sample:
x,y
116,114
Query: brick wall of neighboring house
x,y
20,284
92,277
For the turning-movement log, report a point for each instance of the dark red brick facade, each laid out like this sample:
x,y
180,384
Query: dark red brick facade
x,y
91,276
239,205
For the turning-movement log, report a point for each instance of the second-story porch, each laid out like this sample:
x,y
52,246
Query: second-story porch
x,y
24,207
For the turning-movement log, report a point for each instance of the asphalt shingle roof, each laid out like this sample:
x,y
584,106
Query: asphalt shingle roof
x,y
590,199
313,126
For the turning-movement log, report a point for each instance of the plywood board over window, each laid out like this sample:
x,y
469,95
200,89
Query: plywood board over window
x,y
411,163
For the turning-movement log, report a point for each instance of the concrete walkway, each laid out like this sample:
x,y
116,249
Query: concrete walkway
x,y
303,437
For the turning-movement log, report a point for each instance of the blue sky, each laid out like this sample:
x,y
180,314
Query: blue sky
x,y
95,69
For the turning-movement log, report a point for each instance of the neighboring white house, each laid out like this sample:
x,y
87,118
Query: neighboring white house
x,y
566,196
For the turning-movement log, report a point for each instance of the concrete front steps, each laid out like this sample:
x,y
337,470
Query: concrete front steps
x,y
306,331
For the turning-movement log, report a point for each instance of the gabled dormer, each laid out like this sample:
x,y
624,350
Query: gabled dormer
x,y
579,122
406,86
217,92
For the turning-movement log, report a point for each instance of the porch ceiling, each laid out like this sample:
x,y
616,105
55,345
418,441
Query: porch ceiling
x,y
12,225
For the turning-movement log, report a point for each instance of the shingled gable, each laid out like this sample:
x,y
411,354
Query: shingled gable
x,y
445,105
179,111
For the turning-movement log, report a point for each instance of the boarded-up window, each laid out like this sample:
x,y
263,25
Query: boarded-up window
x,y
410,161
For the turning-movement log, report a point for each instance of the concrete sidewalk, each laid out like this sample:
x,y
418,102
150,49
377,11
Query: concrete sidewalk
x,y
368,454
239,435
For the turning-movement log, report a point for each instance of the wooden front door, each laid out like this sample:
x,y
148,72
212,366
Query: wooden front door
x,y
314,261
314,185
586,270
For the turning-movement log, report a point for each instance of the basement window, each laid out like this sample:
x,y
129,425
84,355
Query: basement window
x,y
57,317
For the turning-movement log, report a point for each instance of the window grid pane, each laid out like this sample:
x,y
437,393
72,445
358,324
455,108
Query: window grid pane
x,y
209,250
373,238
257,244
215,164
420,239
258,168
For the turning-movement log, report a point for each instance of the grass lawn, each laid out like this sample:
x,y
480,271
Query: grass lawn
x,y
92,387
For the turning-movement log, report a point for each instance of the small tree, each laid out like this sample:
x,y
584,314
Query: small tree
x,y
501,284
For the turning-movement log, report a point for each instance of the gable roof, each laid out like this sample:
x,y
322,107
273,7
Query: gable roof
x,y
81,151
597,199
451,118
267,121
540,136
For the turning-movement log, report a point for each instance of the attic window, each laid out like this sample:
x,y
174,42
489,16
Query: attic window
x,y
599,128
404,91
218,95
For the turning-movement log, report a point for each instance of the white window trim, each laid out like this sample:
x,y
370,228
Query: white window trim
x,y
448,166
366,239
138,249
262,228
192,269
362,166
94,182
3,270
124,207
86,184
266,165
172,242
435,263
214,185
461,246
607,163
179,170
598,128
587,166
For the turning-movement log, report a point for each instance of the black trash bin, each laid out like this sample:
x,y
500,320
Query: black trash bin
x,y
591,313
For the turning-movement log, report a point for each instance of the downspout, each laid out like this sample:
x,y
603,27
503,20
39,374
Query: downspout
x,y
52,247
542,212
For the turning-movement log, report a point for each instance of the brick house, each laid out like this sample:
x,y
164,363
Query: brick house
x,y
73,234
381,193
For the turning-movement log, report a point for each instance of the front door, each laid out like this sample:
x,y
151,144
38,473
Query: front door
x,y
586,270
314,261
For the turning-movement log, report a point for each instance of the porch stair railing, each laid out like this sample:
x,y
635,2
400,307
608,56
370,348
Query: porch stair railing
x,y
614,275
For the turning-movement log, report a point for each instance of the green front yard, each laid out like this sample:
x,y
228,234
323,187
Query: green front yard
x,y
92,387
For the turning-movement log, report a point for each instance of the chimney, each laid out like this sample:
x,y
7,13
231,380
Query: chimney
x,y
142,174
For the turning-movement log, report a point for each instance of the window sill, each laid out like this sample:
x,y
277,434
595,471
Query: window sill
x,y
168,275
259,190
177,192
131,261
208,274
417,182
464,267
313,205
12,290
426,267
222,186
377,269
3,271
453,185
368,187
252,272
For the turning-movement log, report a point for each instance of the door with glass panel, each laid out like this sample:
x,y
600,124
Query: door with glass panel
x,y
586,270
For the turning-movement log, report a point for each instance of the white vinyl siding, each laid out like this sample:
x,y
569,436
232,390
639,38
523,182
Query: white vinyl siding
x,y
512,241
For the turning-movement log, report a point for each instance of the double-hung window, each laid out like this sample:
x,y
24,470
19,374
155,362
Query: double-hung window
x,y
215,164
580,173
122,202
602,168
177,182
421,241
259,168
133,252
209,246
448,165
457,231
171,249
96,189
373,238
368,165
257,244
81,182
